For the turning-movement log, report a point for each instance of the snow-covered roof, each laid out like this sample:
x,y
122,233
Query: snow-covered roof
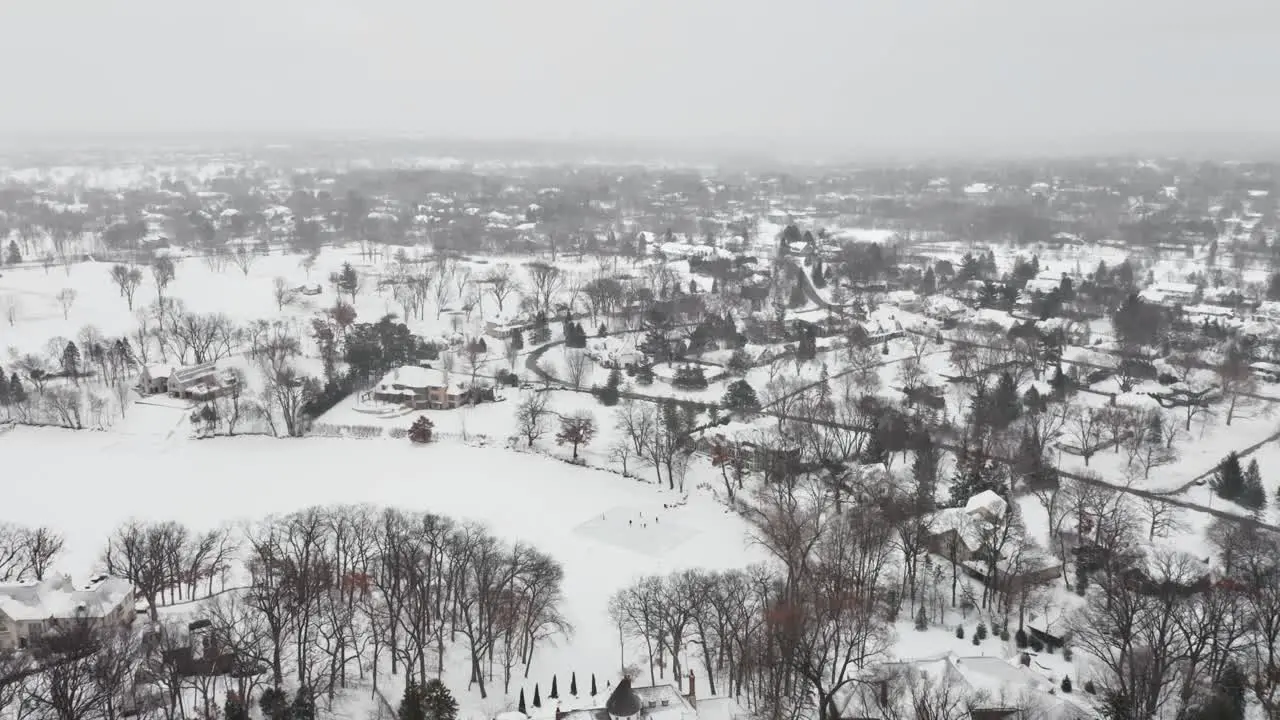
x,y
57,597
411,376
987,502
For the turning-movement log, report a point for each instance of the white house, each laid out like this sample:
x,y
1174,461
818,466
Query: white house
x,y
29,610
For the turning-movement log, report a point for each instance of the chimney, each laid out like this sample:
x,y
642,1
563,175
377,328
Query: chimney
x,y
693,690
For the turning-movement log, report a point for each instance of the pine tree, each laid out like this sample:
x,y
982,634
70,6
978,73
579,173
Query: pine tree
x,y
537,696
422,430
797,298
740,397
1228,481
1004,402
304,706
17,393
274,704
593,684
928,283
924,470
234,708
922,619
521,706
71,360
411,703
13,257
573,684
437,702
1253,494
555,688
818,279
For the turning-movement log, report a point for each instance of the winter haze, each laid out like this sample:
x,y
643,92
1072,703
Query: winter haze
x,y
832,76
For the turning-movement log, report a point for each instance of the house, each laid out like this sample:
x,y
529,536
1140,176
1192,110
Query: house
x,y
29,610
199,382
154,379
419,388
991,687
1170,294
658,702
308,289
960,531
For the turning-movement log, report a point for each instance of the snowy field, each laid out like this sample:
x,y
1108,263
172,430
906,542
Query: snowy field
x,y
85,483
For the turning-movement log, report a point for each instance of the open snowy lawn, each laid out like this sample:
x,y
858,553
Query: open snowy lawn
x,y
86,483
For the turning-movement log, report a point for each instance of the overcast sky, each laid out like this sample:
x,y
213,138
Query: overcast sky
x,y
838,73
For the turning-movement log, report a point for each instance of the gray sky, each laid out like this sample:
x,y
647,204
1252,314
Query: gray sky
x,y
848,74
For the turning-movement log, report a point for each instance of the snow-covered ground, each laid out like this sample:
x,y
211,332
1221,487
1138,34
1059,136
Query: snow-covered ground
x,y
606,530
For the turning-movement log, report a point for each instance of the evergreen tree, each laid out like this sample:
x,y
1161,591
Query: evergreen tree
x,y
573,684
234,708
740,397
13,257
974,474
437,702
17,393
5,398
928,283
610,393
521,706
818,279
517,339
421,431
274,704
1253,495
797,298
1228,481
411,707
922,619
924,470
593,685
304,706
1059,383
1004,402
555,688
537,696
71,360
602,331
1066,683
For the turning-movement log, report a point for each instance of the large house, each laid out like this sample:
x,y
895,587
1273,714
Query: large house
x,y
191,382
29,610
420,388
656,702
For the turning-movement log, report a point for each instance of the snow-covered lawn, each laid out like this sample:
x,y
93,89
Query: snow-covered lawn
x,y
85,483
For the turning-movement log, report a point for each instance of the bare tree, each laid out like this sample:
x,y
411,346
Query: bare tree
x,y
66,298
501,282
283,294
531,416
243,258
162,273
141,553
576,363
1084,428
127,279
545,281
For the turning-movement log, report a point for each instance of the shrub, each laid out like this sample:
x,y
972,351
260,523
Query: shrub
x,y
1004,634
960,632
1089,687
1036,645
922,619
1020,639
1066,683
1025,659
1066,653
976,640
981,632
422,430
690,377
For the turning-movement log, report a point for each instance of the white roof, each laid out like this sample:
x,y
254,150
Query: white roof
x,y
58,597
987,501
157,370
411,376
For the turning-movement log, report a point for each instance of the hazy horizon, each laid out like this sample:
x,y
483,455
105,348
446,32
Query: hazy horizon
x,y
835,77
